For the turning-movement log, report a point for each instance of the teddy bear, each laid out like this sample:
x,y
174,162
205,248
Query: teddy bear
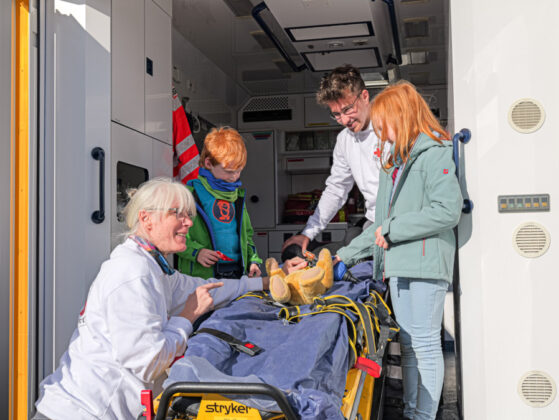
x,y
300,287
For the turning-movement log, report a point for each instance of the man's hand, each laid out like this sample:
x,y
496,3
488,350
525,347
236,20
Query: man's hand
x,y
207,257
380,241
199,302
254,270
300,240
293,264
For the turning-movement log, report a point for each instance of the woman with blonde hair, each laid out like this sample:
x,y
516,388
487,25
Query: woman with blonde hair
x,y
138,315
412,240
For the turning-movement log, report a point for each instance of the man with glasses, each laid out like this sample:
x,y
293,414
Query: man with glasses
x,y
356,154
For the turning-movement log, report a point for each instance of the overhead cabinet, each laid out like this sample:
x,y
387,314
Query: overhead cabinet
x,y
141,67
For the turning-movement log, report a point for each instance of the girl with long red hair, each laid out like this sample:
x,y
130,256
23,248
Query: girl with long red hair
x,y
412,240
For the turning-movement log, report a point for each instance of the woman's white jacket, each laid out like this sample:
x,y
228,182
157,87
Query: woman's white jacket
x,y
127,335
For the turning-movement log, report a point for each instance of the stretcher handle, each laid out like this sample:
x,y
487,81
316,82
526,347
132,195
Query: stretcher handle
x,y
224,388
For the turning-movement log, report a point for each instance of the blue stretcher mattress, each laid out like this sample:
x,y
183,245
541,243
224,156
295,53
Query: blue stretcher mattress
x,y
307,360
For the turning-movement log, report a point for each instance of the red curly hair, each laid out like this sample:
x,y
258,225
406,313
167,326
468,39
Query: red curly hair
x,y
224,146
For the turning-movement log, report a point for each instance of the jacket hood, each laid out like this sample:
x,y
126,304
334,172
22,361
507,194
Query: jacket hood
x,y
423,143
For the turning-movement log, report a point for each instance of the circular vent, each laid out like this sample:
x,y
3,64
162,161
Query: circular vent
x,y
531,240
537,389
526,115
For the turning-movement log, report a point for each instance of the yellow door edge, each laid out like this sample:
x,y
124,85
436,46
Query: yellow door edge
x,y
19,311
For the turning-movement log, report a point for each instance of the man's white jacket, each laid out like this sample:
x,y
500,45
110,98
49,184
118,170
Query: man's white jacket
x,y
127,335
356,159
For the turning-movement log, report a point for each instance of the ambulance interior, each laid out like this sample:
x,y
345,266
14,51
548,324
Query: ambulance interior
x,y
106,72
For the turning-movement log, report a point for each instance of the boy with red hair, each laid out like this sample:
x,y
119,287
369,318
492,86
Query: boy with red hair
x,y
220,244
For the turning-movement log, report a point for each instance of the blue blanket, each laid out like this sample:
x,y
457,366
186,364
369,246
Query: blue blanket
x,y
307,360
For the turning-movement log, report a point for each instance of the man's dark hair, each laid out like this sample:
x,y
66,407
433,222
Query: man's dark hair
x,y
336,85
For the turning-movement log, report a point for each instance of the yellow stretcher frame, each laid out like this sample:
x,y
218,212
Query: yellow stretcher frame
x,y
363,392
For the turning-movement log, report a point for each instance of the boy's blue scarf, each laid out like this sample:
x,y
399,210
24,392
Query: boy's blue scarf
x,y
219,184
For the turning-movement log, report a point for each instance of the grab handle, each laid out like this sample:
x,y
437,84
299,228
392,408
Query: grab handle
x,y
99,215
463,136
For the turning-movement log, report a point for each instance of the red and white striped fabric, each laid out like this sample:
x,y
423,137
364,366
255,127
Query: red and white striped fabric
x,y
185,153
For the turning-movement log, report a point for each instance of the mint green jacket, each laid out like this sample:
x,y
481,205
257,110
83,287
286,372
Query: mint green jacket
x,y
419,222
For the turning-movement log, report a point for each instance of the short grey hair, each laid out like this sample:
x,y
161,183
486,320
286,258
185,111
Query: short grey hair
x,y
157,194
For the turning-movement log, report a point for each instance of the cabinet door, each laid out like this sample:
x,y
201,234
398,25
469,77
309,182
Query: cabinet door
x,y
258,179
158,107
131,160
127,63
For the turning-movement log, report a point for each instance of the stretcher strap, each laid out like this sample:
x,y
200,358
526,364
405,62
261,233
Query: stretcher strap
x,y
245,347
266,297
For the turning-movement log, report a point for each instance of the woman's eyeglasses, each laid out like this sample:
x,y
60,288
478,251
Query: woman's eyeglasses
x,y
175,210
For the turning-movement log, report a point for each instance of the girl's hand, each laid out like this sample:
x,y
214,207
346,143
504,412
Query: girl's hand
x,y
207,257
254,270
380,241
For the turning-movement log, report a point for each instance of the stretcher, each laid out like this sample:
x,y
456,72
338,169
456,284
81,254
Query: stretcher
x,y
256,359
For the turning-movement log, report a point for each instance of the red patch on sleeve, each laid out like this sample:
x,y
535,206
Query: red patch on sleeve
x,y
445,171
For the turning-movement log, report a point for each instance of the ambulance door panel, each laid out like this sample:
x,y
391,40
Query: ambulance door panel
x,y
258,179
72,243
128,63
158,109
5,191
130,166
508,259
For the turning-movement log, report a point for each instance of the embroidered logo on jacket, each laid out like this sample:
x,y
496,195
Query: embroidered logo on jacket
x,y
445,171
223,211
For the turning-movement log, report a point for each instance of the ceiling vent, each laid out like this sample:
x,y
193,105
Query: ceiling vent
x,y
531,240
526,115
537,389
267,108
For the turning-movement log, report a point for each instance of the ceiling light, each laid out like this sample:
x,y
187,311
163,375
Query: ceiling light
x,y
338,30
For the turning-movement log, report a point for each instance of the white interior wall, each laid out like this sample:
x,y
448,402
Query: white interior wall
x,y
213,95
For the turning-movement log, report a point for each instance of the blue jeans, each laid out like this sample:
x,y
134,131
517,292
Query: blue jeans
x,y
418,305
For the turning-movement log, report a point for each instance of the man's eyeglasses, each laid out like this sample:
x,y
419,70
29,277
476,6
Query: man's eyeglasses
x,y
349,109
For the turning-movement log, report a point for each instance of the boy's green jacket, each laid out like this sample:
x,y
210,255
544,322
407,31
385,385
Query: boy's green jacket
x,y
418,222
199,237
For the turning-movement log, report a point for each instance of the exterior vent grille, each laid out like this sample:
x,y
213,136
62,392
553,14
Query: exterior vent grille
x,y
531,240
526,115
267,103
537,389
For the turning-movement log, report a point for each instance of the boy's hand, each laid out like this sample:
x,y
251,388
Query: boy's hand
x,y
254,270
380,240
207,257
